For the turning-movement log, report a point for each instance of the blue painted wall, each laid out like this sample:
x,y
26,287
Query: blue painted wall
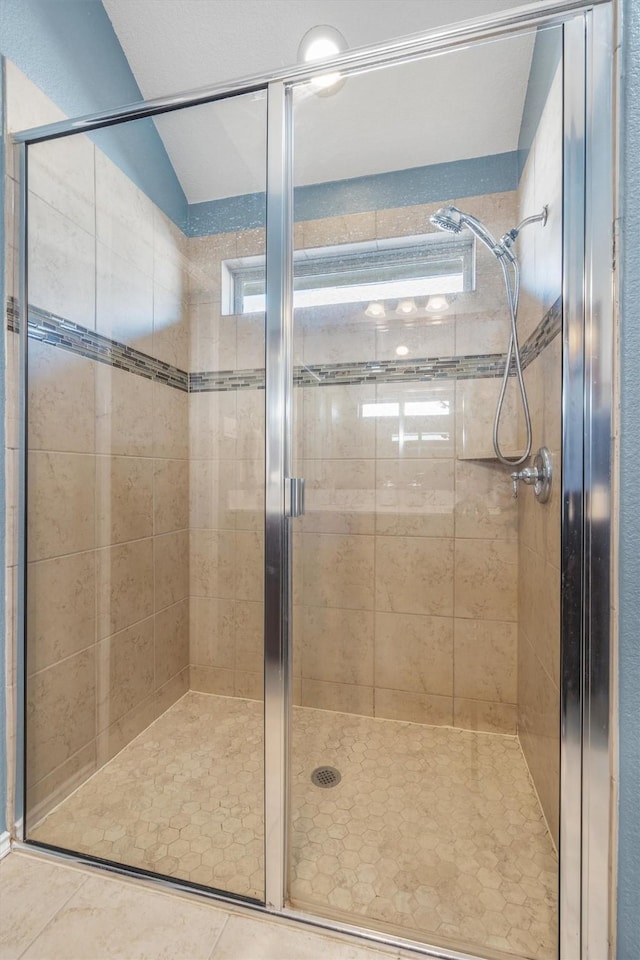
x,y
629,654
70,50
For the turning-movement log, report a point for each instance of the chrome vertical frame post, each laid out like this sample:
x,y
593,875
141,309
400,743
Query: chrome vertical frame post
x,y
278,467
598,405
572,654
20,638
585,772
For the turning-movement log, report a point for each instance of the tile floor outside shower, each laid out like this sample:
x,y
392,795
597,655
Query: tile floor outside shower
x,y
433,833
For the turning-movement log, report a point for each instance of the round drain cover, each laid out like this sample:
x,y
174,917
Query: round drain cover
x,y
326,777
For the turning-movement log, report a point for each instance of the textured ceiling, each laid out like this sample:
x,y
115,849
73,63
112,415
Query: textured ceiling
x,y
465,104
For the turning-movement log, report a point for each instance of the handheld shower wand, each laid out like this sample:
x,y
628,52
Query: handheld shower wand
x,y
453,220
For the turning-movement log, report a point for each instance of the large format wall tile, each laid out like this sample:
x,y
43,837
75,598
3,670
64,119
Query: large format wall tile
x,y
171,641
486,579
124,499
338,571
61,400
61,713
170,495
339,496
414,653
124,412
414,498
171,568
212,627
414,575
337,645
486,660
125,671
61,615
61,504
125,585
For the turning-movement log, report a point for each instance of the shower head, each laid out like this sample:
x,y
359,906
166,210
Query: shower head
x,y
448,219
453,220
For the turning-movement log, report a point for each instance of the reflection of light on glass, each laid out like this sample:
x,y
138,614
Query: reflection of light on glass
x,y
380,409
427,408
320,43
375,309
408,437
402,351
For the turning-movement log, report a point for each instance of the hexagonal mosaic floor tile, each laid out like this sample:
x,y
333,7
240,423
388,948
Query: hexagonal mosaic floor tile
x,y
434,831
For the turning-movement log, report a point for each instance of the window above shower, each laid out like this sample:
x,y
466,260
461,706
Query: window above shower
x,y
375,273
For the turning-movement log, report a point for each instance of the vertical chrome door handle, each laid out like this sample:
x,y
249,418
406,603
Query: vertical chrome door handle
x,y
293,496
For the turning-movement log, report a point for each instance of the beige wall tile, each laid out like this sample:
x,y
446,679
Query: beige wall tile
x,y
415,420
405,221
338,571
61,504
124,412
251,243
250,341
476,402
212,338
171,568
414,498
212,486
121,732
51,790
124,585
62,268
170,495
332,339
484,715
334,423
249,565
249,686
204,257
251,425
170,328
336,645
413,707
414,575
414,653
170,423
125,671
172,690
484,503
61,615
212,627
486,660
486,579
61,713
169,254
61,400
124,499
339,496
213,563
248,494
211,680
213,425
171,641
124,300
343,697
249,634
539,610
124,215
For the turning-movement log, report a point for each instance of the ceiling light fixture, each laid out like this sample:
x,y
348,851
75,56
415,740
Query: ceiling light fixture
x,y
323,42
375,309
402,351
437,303
406,307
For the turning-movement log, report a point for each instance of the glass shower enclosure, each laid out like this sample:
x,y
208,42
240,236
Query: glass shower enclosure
x,y
293,633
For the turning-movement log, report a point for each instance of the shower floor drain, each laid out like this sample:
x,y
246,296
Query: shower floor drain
x,y
326,777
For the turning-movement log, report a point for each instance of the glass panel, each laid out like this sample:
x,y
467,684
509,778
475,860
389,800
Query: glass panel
x,y
146,449
426,598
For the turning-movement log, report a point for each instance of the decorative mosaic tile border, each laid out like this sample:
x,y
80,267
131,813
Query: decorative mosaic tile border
x,y
57,331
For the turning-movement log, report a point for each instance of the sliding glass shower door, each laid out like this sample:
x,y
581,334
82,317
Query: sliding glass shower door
x,y
145,496
425,730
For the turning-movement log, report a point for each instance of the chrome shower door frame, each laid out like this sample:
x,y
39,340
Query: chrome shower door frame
x,y
587,404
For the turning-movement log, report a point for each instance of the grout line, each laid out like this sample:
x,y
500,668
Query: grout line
x,y
219,937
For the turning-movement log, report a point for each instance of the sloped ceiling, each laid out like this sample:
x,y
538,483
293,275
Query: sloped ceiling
x,y
451,107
